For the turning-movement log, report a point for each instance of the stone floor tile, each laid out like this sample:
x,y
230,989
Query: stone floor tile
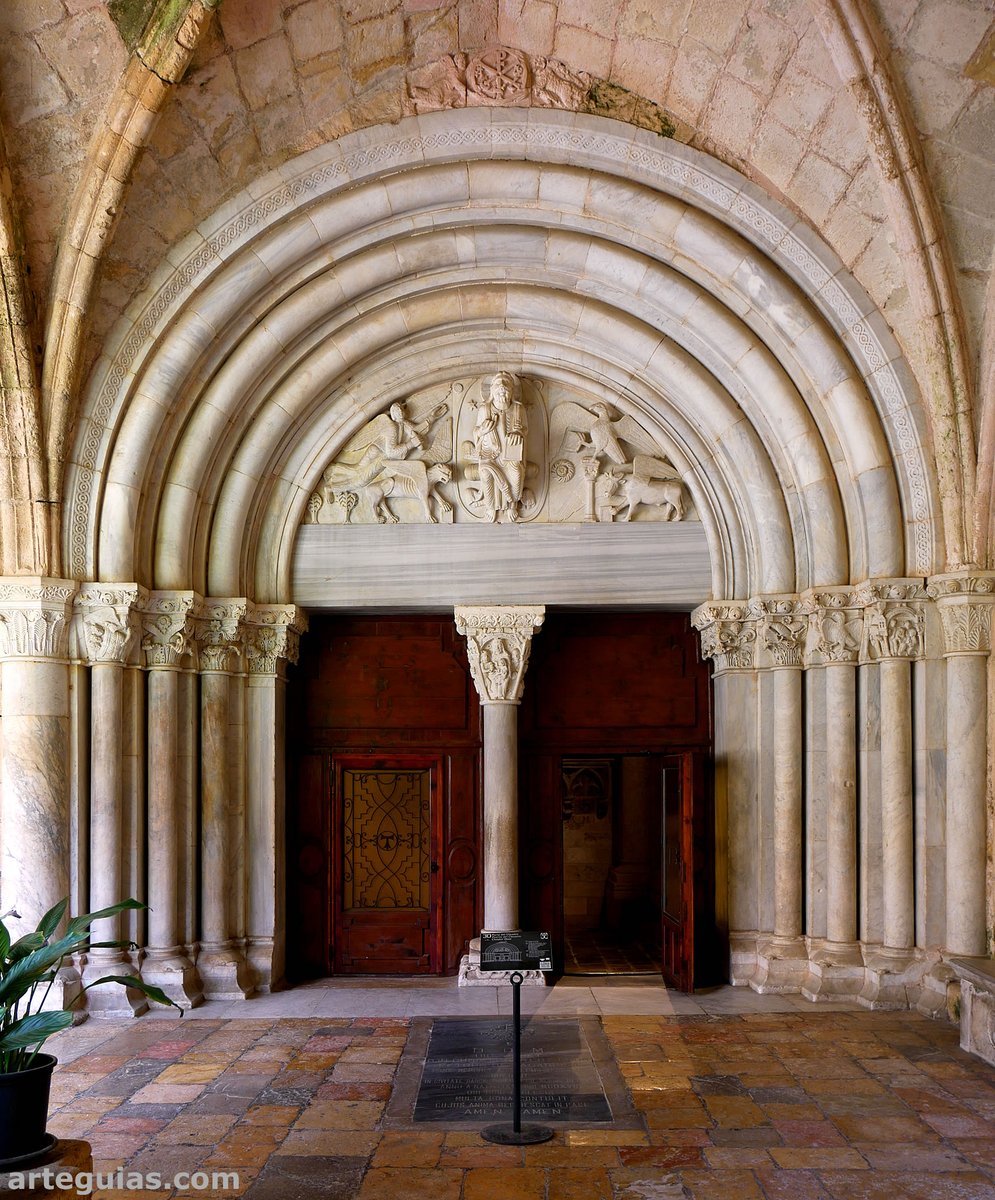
x,y
190,1073
734,1112
504,1183
573,1184
661,1156
198,1130
342,1114
641,1183
722,1185
794,1185
884,1129
408,1149
168,1093
271,1114
559,1154
809,1133
736,1158
874,1185
949,1126
289,1178
914,1156
818,1158
414,1183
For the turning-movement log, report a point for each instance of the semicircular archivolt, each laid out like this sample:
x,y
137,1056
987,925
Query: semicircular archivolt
x,y
231,339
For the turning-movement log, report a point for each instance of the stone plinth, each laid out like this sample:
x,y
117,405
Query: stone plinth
x,y
977,1006
49,1173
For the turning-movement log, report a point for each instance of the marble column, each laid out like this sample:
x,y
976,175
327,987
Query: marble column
x,y
893,639
835,631
965,607
167,633
34,756
782,962
272,635
105,634
498,642
729,637
221,963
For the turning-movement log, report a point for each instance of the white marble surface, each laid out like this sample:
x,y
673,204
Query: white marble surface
x,y
423,567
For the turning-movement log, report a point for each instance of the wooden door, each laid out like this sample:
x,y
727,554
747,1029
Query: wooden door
x,y
386,841
686,874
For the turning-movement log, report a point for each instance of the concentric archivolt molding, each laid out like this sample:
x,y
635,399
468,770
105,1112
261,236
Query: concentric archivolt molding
x,y
264,245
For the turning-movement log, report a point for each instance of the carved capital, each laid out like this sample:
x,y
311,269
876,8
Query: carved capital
x,y
272,635
498,643
728,634
219,632
782,625
105,621
965,604
893,619
167,627
34,617
835,625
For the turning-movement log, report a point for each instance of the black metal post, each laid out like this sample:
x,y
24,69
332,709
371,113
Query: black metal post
x,y
516,1016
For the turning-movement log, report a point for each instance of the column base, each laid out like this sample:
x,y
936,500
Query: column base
x,y
112,999
835,971
742,958
782,965
470,974
941,993
224,973
177,977
265,965
892,978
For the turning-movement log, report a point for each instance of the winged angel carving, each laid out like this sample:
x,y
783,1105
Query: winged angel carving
x,y
398,455
620,463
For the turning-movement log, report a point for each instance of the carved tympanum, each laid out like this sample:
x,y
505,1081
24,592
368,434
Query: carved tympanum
x,y
499,448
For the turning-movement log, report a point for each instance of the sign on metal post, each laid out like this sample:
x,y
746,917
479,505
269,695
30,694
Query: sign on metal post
x,y
516,952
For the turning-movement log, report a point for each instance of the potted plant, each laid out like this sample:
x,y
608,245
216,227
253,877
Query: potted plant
x,y
28,969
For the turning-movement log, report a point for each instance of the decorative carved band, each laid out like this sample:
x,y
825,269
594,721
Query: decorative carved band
x,y
783,626
498,643
106,621
219,632
167,627
728,635
34,617
965,606
835,626
272,635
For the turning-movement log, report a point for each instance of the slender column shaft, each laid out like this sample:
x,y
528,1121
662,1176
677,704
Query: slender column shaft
x,y
966,831
107,711
266,917
788,771
841,815
500,816
896,803
163,831
215,926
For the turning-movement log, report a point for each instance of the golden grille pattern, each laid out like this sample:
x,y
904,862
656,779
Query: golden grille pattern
x,y
386,839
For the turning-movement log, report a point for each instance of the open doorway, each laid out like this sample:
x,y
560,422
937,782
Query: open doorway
x,y
611,865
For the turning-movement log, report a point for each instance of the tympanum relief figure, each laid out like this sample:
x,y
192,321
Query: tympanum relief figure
x,y
499,448
622,471
398,455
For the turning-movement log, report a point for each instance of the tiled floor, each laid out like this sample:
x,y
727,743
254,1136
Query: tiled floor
x,y
600,952
738,1097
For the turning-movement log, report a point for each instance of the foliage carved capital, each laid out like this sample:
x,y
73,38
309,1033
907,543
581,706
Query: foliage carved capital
x,y
498,644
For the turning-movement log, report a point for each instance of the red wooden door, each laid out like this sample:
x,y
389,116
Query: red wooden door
x,y
386,841
686,877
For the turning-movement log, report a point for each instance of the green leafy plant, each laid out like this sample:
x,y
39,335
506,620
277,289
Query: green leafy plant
x,y
28,968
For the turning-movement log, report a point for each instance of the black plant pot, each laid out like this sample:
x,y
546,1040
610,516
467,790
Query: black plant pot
x,y
24,1112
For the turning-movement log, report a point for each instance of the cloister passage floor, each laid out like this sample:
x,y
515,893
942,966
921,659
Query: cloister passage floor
x,y
734,1097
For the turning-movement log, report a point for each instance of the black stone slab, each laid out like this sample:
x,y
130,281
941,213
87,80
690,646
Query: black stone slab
x,y
467,1073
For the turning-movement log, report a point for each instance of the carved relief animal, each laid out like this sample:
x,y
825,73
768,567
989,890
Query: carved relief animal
x,y
667,494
